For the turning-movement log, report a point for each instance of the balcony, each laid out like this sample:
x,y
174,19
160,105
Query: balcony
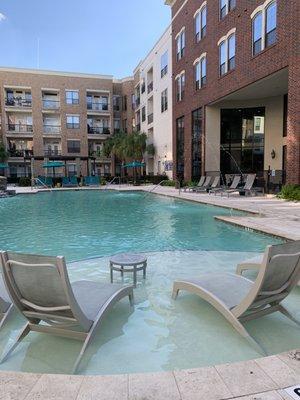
x,y
150,118
19,128
20,153
98,130
97,106
51,104
150,87
18,102
137,102
52,152
52,129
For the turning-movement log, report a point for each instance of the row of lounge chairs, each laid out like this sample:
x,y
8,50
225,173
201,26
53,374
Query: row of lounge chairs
x,y
40,289
69,181
212,185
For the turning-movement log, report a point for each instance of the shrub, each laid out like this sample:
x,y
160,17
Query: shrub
x,y
169,183
290,192
24,181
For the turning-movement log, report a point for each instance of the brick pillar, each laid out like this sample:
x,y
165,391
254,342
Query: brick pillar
x,y
293,128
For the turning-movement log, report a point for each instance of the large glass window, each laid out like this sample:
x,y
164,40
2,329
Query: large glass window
x,y
227,54
223,58
196,143
164,100
72,97
164,64
73,146
180,85
231,52
73,122
242,140
180,147
226,6
264,27
200,73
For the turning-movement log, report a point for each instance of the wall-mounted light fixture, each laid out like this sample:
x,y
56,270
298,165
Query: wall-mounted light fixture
x,y
273,154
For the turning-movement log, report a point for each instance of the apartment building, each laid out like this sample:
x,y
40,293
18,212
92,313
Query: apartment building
x,y
60,116
236,72
153,97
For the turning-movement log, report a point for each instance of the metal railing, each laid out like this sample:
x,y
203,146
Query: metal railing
x,y
52,128
112,181
52,153
20,128
97,106
51,104
159,184
20,153
18,102
73,125
36,182
98,130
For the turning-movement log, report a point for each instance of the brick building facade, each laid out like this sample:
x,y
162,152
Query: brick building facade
x,y
240,110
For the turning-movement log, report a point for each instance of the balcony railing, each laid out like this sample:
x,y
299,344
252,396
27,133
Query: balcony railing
x,y
20,128
52,153
98,130
150,118
52,129
73,125
150,87
51,104
18,102
20,153
97,106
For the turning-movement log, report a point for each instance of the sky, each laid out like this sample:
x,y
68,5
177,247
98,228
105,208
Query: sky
x,y
92,36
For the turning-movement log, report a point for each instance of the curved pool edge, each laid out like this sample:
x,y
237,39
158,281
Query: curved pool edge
x,y
267,376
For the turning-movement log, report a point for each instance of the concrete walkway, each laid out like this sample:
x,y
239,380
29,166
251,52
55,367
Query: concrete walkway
x,y
261,379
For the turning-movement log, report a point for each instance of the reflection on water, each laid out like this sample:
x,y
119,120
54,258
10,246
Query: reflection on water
x,y
159,333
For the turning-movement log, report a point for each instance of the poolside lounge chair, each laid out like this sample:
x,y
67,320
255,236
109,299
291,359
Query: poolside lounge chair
x,y
205,185
40,289
248,187
6,305
239,299
253,263
69,182
199,184
214,185
233,187
92,180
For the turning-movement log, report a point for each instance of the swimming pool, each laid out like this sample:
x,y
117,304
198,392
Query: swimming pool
x,y
181,239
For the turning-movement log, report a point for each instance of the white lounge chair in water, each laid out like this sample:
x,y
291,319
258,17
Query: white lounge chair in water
x,y
6,305
239,299
40,289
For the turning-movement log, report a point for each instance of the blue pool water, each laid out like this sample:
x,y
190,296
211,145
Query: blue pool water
x,y
181,240
92,223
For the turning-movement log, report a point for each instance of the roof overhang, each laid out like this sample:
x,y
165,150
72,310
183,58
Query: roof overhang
x,y
170,2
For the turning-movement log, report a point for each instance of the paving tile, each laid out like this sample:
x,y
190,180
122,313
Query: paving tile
x,y
56,387
279,371
104,387
245,378
16,386
284,395
262,396
202,383
156,386
292,359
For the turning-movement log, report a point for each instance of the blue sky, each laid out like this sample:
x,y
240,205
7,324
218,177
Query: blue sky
x,y
94,36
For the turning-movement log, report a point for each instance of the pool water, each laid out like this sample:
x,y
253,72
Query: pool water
x,y
181,240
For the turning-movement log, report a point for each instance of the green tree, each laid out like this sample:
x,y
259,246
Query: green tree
x,y
3,153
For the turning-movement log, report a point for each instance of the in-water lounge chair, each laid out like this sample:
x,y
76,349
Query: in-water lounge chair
x,y
239,299
40,289
199,185
6,305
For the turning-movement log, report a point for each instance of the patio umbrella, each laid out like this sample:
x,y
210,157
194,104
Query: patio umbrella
x,y
134,165
3,166
53,164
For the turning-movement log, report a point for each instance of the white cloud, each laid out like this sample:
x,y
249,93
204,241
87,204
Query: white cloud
x,y
2,17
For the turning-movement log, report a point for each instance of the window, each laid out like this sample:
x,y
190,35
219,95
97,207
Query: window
x,y
180,147
164,64
72,97
73,122
143,114
200,23
200,72
227,54
264,26
196,143
180,84
226,6
143,86
257,33
117,125
117,103
164,100
180,44
73,146
285,114
125,103
72,169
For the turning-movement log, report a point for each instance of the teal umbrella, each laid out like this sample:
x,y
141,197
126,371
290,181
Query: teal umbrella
x,y
3,166
134,164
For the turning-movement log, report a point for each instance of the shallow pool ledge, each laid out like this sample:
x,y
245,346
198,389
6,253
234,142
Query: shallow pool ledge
x,y
265,378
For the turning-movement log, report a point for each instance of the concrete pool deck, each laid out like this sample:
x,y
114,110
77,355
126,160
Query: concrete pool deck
x,y
260,379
